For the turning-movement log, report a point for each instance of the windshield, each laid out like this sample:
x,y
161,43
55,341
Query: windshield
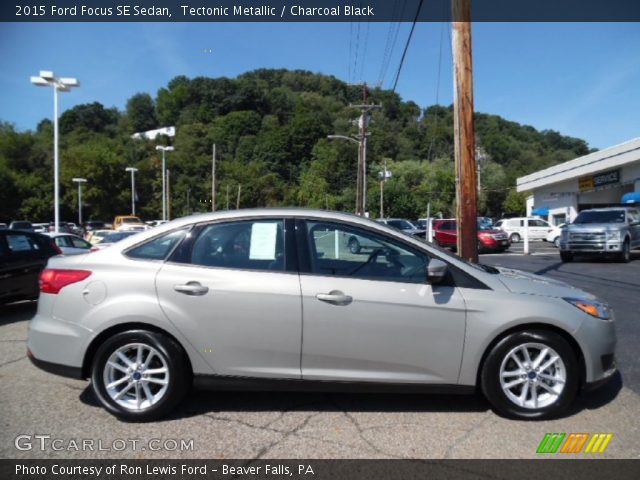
x,y
131,220
115,237
606,216
401,224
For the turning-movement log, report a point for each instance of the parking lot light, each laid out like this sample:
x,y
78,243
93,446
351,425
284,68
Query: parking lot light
x,y
79,181
164,180
46,78
133,171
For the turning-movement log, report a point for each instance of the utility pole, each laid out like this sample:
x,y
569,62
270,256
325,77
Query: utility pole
x,y
213,180
238,199
464,135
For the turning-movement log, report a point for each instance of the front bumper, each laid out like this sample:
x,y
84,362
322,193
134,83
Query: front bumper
x,y
598,341
604,247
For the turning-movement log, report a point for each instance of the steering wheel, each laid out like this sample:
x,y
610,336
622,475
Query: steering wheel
x,y
372,258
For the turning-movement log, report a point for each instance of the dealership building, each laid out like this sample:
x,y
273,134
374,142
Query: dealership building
x,y
609,177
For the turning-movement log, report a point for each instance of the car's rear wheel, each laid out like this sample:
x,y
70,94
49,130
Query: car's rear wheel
x,y
515,237
530,375
140,375
566,256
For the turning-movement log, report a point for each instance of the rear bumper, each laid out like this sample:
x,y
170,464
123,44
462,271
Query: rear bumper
x,y
56,368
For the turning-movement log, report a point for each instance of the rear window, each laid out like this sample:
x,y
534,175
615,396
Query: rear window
x,y
157,248
22,243
131,220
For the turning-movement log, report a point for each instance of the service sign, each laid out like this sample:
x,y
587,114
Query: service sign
x,y
590,182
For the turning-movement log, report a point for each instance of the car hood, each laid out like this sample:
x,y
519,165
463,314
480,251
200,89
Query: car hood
x,y
527,283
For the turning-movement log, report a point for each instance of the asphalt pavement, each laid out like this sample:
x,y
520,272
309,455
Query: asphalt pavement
x,y
284,425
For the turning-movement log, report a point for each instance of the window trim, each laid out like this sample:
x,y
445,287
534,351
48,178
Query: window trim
x,y
290,247
125,252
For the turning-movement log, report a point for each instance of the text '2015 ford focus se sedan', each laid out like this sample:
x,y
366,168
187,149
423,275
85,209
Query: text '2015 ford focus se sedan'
x,y
276,299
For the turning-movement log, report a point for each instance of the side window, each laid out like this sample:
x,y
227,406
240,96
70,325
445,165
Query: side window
x,y
21,243
351,252
157,248
247,245
62,241
538,223
79,242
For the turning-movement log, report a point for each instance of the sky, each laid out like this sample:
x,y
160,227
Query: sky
x,y
581,79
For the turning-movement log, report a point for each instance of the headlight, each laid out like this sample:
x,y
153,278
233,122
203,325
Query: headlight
x,y
613,235
593,308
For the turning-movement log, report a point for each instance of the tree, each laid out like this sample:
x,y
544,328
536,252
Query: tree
x,y
141,113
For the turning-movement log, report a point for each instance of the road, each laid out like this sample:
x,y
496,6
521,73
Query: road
x,y
283,425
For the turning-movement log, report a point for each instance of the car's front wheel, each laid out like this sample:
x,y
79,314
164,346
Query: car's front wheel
x,y
514,238
140,375
530,375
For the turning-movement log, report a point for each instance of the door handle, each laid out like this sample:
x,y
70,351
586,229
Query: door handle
x,y
335,297
191,288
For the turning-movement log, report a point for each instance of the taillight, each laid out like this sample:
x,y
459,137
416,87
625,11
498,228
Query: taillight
x,y
52,280
94,249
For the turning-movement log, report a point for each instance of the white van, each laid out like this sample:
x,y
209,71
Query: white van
x,y
538,228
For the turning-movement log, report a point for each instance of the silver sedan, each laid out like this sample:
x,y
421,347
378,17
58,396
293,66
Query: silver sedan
x,y
276,299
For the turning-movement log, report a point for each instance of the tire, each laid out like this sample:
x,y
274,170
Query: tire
x,y
556,242
560,382
625,255
514,238
354,246
171,377
566,257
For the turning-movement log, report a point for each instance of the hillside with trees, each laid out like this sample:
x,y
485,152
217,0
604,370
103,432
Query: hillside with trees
x,y
270,128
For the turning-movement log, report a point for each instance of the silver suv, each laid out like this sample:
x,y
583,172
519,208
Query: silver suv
x,y
609,231
276,299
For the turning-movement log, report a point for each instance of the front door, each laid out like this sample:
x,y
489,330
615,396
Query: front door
x,y
371,316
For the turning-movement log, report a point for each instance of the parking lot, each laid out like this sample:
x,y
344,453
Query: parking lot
x,y
285,425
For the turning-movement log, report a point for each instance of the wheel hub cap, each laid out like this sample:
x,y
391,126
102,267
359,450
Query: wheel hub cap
x,y
136,376
532,375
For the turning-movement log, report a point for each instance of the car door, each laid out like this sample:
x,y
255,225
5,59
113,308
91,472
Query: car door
x,y
232,289
372,316
634,227
538,229
23,260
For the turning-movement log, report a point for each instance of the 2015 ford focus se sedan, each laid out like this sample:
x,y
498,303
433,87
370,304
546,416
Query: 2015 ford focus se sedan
x,y
276,299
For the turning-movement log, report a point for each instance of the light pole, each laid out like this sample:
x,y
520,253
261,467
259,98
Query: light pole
x,y
47,79
164,184
133,171
79,181
360,208
383,176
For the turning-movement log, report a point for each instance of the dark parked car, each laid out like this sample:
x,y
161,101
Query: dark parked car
x,y
21,225
23,255
94,225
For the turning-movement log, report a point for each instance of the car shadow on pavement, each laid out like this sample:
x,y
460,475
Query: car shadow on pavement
x,y
17,312
204,402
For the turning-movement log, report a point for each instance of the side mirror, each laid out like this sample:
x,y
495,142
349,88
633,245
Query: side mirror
x,y
436,271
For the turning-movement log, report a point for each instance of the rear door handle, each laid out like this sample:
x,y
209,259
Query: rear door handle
x,y
335,297
191,288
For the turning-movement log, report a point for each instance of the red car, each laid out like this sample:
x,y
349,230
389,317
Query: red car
x,y
445,234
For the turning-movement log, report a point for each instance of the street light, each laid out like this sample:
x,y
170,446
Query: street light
x,y
47,79
133,171
164,184
79,181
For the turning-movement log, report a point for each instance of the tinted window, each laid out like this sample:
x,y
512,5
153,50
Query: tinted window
x,y
538,223
607,216
378,257
247,245
116,236
21,243
157,248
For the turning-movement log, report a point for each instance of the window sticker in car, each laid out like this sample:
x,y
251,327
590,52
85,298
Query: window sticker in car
x,y
263,241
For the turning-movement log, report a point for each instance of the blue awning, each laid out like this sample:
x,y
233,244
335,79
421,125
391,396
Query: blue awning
x,y
542,211
631,197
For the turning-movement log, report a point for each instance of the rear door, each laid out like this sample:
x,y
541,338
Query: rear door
x,y
634,227
233,290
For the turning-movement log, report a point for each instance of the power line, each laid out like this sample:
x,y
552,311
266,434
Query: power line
x,y
364,54
435,123
395,28
406,47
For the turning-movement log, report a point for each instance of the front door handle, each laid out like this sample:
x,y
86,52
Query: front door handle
x,y
191,288
335,297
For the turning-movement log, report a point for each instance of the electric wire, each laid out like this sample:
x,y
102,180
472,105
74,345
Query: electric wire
x,y
406,46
